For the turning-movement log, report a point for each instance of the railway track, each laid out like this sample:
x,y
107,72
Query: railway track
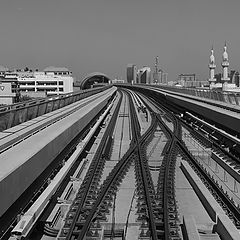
x,y
157,207
157,211
32,194
89,189
11,217
231,209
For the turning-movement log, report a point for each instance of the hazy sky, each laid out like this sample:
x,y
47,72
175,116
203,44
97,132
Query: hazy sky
x,y
105,35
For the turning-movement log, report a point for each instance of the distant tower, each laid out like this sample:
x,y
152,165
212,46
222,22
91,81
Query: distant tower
x,y
156,64
212,67
156,74
225,64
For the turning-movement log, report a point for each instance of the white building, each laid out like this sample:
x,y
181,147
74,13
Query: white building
x,y
6,95
52,81
118,81
8,87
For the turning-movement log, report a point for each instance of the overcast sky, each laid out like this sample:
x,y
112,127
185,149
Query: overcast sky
x,y
105,35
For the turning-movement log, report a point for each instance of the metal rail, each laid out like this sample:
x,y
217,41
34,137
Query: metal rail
x,y
114,176
224,200
143,170
91,179
10,218
162,220
166,180
109,185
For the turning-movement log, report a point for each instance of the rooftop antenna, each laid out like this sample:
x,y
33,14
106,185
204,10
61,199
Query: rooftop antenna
x,y
156,71
156,65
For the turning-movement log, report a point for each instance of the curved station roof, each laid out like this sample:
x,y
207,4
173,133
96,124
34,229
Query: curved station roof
x,y
94,78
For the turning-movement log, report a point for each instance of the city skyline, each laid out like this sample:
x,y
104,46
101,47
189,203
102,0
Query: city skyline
x,y
102,35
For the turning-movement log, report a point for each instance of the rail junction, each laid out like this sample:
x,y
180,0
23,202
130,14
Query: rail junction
x,y
122,163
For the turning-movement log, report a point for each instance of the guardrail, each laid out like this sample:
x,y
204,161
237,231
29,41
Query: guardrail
x,y
217,95
223,96
15,114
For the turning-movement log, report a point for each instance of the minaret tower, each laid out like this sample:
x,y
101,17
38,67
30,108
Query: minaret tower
x,y
225,65
212,67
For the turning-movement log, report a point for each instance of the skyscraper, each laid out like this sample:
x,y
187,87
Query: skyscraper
x,y
131,73
144,75
156,72
164,78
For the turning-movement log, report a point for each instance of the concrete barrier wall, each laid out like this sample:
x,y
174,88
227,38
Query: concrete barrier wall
x,y
202,194
42,148
223,119
190,231
224,227
13,115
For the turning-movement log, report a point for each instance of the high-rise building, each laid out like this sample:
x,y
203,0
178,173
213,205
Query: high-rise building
x,y
156,73
218,77
156,78
236,79
131,73
144,75
164,76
